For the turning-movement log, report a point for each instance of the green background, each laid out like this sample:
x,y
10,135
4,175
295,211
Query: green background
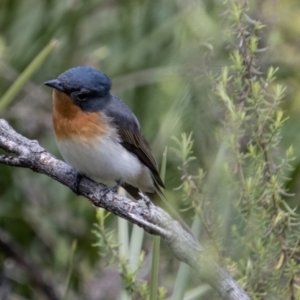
x,y
159,55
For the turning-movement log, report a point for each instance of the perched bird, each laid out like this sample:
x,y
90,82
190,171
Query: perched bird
x,y
98,135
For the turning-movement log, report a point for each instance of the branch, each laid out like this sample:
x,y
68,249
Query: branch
x,y
29,154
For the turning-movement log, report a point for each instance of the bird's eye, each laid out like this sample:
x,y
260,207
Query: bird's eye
x,y
81,96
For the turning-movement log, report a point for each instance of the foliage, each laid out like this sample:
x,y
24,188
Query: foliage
x,y
108,248
263,232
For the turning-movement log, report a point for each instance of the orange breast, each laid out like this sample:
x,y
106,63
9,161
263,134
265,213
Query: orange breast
x,y
71,122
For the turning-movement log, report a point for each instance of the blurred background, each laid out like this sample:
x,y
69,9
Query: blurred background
x,y
159,55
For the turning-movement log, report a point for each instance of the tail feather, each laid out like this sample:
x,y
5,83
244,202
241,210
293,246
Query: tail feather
x,y
170,208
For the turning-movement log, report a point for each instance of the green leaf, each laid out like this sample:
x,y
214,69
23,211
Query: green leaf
x,y
7,98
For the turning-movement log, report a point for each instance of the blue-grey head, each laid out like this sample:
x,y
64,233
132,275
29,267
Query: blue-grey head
x,y
87,87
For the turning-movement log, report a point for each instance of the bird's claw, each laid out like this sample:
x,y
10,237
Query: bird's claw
x,y
113,189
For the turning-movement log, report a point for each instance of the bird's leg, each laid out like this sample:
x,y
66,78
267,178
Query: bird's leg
x,y
146,199
77,181
113,189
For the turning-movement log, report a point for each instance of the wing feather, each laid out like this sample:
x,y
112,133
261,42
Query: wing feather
x,y
136,143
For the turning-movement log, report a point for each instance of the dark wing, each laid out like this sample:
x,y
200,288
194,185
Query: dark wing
x,y
136,143
132,138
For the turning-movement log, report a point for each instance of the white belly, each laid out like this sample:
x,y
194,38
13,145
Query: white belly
x,y
108,161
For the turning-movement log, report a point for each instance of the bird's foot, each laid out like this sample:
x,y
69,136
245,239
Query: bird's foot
x,y
146,199
107,189
76,183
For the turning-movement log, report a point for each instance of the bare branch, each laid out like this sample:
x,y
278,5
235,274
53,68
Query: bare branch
x,y
153,219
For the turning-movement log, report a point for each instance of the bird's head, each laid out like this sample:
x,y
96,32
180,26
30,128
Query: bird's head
x,y
87,87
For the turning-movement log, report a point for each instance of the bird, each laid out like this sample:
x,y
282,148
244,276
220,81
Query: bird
x,y
98,134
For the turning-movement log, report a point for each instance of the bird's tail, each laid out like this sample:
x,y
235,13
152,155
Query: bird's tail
x,y
170,208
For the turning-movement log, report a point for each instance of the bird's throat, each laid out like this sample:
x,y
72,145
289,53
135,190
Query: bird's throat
x,y
70,122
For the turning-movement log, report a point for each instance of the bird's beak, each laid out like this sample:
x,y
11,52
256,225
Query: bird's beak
x,y
55,83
